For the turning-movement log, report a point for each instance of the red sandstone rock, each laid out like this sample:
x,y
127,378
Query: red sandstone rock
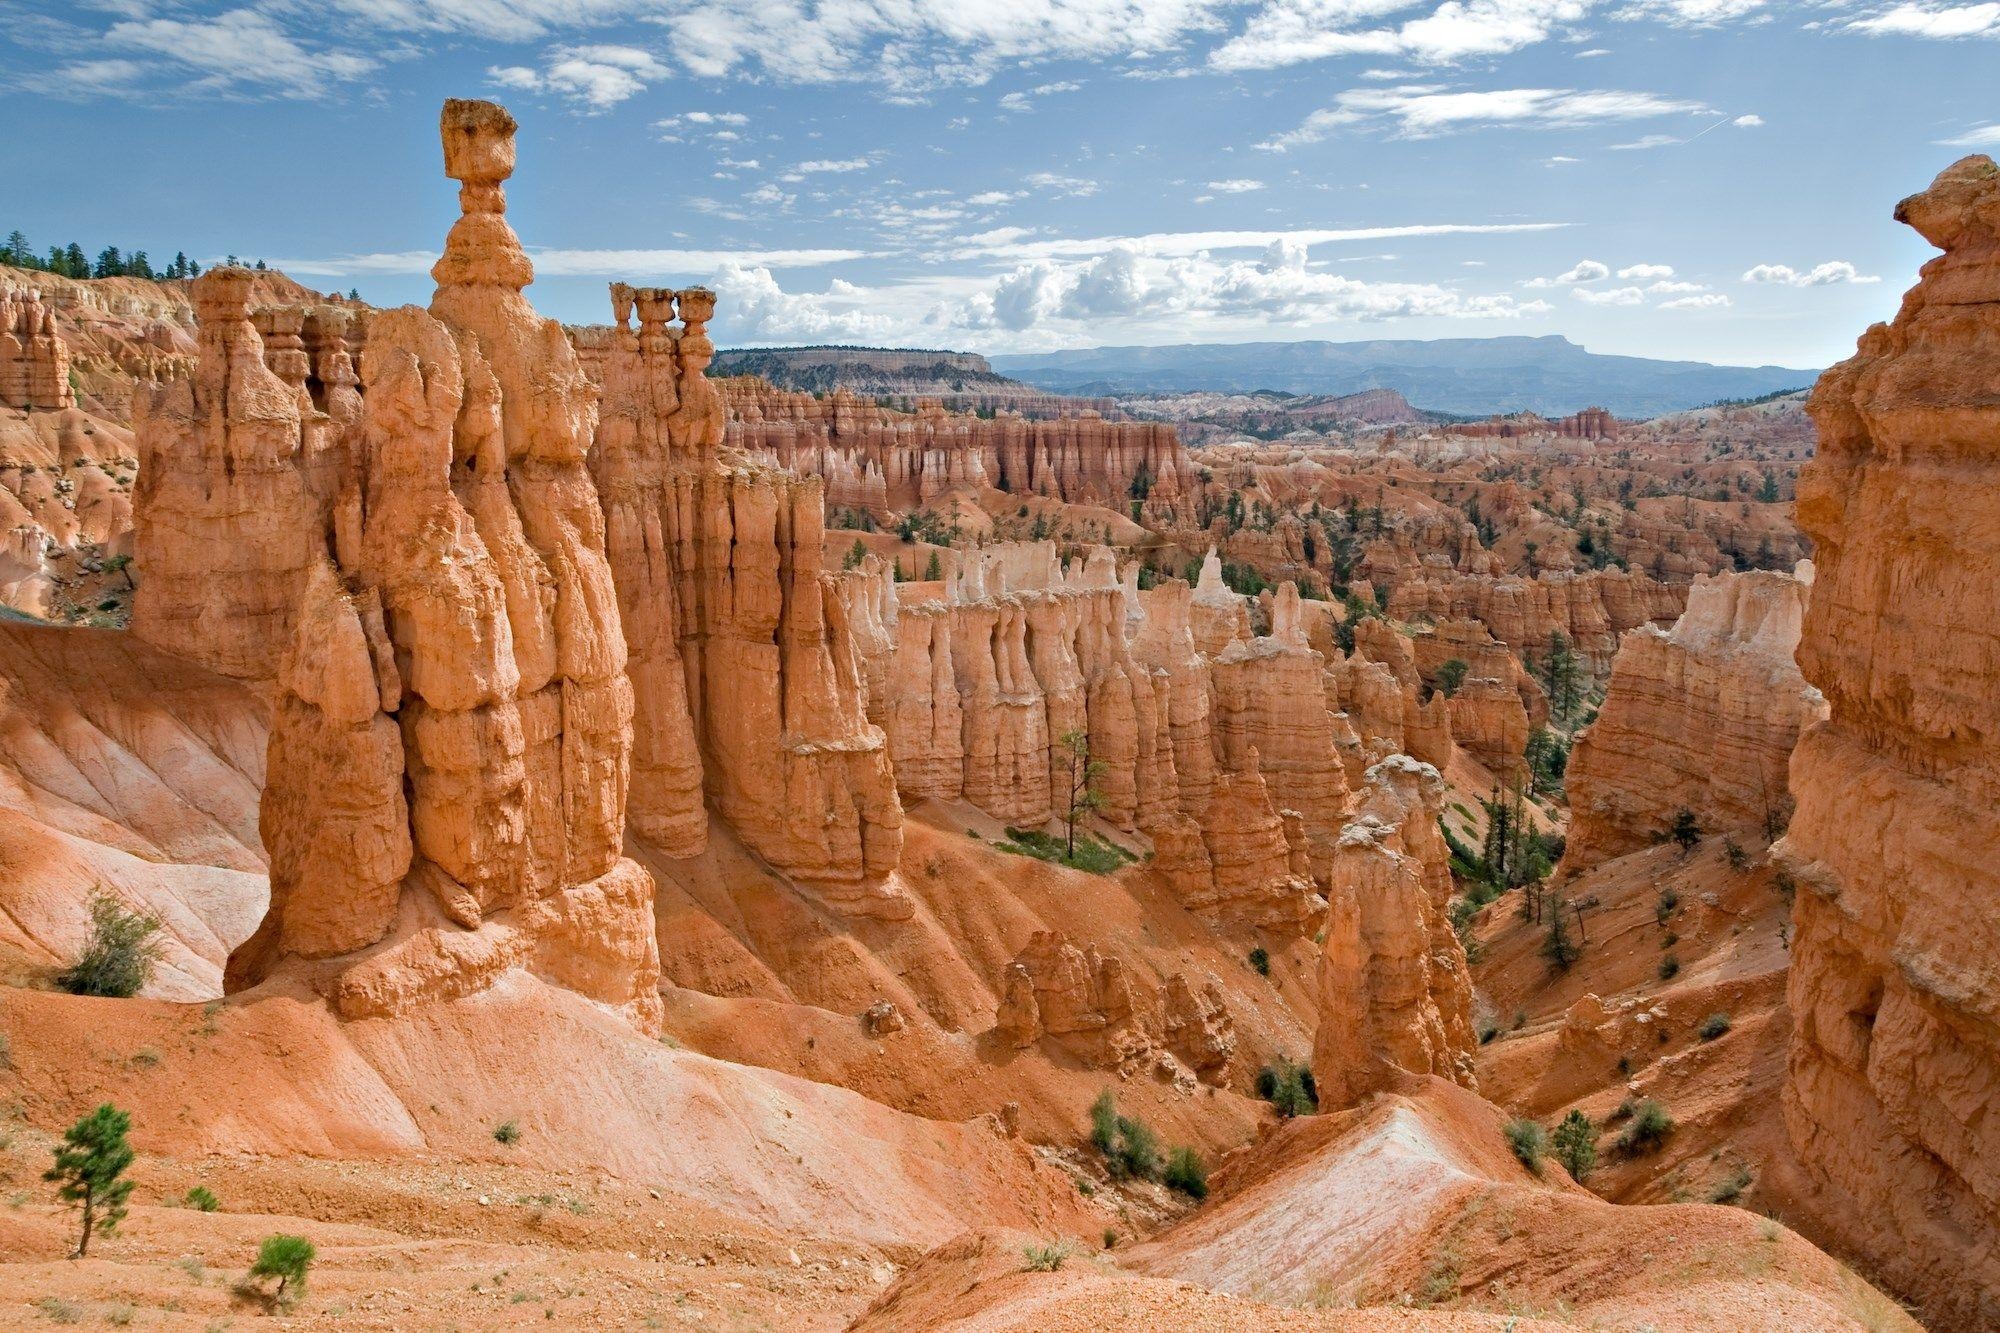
x,y
1394,991
1894,991
1701,718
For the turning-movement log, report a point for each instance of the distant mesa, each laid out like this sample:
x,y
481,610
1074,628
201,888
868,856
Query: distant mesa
x,y
1479,377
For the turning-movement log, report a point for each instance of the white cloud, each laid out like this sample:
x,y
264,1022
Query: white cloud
x,y
1750,122
1979,136
1422,111
1071,186
1643,271
1832,272
1585,270
1942,22
1647,141
1235,186
1609,296
1674,288
599,77
991,198
1711,301
241,50
1689,13
1289,32
1593,53
1187,244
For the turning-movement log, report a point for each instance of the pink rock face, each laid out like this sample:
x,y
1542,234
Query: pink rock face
x,y
448,763
1394,990
1702,718
237,473
877,459
34,363
1591,609
750,687
1894,987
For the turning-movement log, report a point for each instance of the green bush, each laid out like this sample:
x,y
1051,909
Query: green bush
x,y
286,1258
1663,909
507,1132
1529,1141
1670,967
118,958
1047,1258
1714,1026
89,1170
1097,856
1131,1149
1650,1125
1260,959
1288,1087
201,1199
1575,1144
1187,1173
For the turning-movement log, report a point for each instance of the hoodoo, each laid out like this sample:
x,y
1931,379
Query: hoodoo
x,y
1895,977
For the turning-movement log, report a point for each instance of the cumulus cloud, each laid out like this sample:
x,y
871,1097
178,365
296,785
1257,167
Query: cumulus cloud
x,y
1710,301
598,77
1239,186
1750,122
1191,243
1424,111
1609,296
1633,272
1833,272
1585,270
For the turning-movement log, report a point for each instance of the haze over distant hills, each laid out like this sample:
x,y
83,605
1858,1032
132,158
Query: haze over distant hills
x,y
1472,376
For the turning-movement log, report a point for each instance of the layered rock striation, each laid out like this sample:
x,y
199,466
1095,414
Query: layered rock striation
x,y
445,796
878,460
34,362
1700,718
1895,975
1395,995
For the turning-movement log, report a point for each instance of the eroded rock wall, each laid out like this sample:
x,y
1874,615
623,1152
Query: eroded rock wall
x,y
1895,975
1701,718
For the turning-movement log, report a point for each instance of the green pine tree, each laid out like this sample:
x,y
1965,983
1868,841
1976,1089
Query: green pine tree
x,y
89,1164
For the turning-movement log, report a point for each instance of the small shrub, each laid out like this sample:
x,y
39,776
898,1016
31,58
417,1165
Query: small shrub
x,y
1187,1173
1738,858
202,1199
1713,1026
1288,1087
1685,830
1730,1188
59,1311
1670,967
1520,1019
1664,908
1047,1258
118,959
1669,940
1649,1128
1575,1144
1529,1141
1110,1239
1487,1033
507,1132
1260,959
1131,1149
286,1258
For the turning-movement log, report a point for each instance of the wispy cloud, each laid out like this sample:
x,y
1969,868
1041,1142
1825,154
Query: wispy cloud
x,y
1423,111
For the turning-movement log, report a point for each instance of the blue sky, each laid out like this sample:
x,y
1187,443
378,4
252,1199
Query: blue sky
x,y
1709,179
